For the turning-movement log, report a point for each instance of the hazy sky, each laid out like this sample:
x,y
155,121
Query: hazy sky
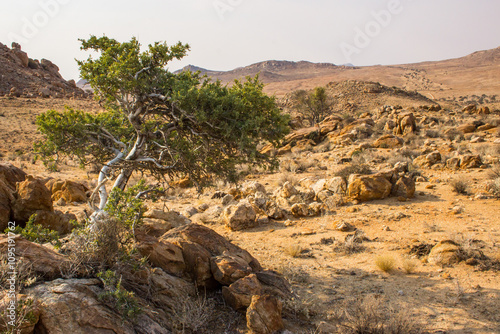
x,y
224,34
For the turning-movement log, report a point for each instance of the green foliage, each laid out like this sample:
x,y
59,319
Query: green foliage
x,y
314,105
37,233
119,298
125,207
160,122
25,316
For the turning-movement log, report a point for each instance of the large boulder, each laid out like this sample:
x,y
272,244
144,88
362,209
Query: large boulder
x,y
199,253
31,196
405,124
73,306
264,315
11,175
70,191
470,161
240,216
444,253
239,294
404,187
6,198
388,141
227,268
369,187
54,220
43,261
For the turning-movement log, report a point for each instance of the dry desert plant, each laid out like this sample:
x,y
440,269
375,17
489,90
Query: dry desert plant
x,y
294,250
353,243
460,186
385,262
409,265
369,316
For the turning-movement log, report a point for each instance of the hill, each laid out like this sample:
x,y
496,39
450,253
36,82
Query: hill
x,y
23,76
474,74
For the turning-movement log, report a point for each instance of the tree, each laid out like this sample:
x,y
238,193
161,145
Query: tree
x,y
314,105
160,122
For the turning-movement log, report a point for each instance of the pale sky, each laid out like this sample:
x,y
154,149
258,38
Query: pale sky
x,y
225,34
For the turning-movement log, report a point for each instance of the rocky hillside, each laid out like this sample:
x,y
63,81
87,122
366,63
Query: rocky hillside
x,y
23,76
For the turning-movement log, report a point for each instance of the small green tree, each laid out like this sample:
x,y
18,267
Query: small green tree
x,y
160,122
314,105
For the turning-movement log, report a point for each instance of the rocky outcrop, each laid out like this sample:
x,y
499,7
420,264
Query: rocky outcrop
x,y
22,76
239,217
264,315
388,141
31,196
369,187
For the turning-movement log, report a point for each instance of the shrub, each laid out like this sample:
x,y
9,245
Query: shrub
x,y
117,297
460,186
352,244
385,262
37,233
294,250
409,265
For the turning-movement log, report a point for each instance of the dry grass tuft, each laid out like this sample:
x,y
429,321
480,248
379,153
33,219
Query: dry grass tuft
x,y
409,265
460,186
294,250
385,263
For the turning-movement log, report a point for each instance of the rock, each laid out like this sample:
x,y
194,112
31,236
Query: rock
x,y
300,210
344,227
51,67
318,186
11,175
239,294
274,211
405,124
315,209
486,127
333,202
453,163
433,158
154,227
264,315
227,200
44,92
388,141
466,128
227,269
71,192
404,187
369,187
274,284
23,57
240,216
183,183
31,196
288,190
470,161
200,245
210,216
173,217
444,253
251,187
44,262
336,185
56,220
6,198
162,253
73,306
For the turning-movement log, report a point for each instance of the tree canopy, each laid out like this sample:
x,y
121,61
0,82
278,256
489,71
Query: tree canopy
x,y
314,105
161,122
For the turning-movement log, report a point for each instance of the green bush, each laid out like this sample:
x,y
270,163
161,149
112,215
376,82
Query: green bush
x,y
37,233
116,296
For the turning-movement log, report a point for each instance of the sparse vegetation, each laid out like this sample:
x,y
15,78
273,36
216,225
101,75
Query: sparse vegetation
x,y
37,233
409,265
294,250
460,186
369,316
314,105
385,262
